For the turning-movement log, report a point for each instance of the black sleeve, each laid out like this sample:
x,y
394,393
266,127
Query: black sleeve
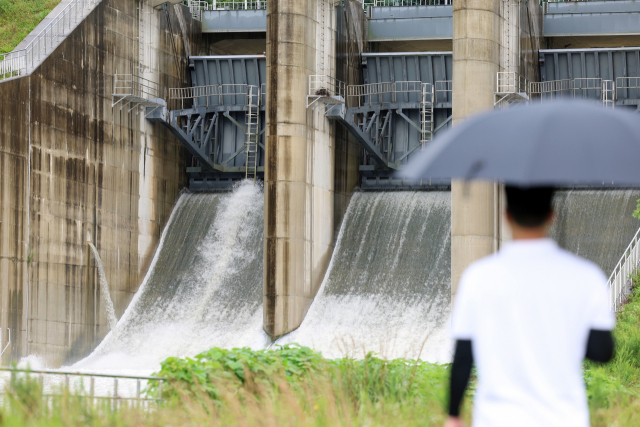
x,y
460,373
600,346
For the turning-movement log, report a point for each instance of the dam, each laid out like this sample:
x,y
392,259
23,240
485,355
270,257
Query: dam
x,y
233,163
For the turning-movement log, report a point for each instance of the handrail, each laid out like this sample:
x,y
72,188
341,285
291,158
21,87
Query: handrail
x,y
510,82
21,61
214,92
80,374
390,3
198,6
375,93
620,280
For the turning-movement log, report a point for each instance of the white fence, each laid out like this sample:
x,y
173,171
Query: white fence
x,y
383,3
620,280
394,92
198,6
20,62
214,95
96,387
510,82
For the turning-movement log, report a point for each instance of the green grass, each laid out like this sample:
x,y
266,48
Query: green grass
x,y
296,386
18,18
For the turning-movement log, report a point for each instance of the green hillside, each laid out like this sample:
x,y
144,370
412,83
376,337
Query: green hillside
x,y
19,17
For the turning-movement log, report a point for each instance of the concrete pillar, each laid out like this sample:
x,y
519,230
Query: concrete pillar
x,y
299,166
475,219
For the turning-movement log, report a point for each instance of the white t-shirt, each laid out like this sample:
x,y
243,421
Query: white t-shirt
x,y
528,310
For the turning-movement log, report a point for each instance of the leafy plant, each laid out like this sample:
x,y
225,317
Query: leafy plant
x,y
636,213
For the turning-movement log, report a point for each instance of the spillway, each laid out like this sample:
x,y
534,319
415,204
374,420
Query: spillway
x,y
203,288
596,224
387,288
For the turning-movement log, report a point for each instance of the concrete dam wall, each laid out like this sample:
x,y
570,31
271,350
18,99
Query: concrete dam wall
x,y
73,167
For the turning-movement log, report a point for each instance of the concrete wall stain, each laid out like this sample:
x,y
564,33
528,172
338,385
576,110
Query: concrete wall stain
x,y
92,171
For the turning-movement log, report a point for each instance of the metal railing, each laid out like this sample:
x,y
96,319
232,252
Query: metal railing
x,y
393,92
20,62
325,90
136,90
388,3
443,90
216,95
593,88
510,82
100,387
627,88
620,281
198,6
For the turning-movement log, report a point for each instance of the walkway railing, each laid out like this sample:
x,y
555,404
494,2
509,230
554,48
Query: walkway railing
x,y
385,3
325,89
116,389
23,61
213,95
131,89
198,6
620,280
592,88
389,92
510,82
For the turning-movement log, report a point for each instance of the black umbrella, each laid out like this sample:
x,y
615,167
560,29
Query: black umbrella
x,y
554,143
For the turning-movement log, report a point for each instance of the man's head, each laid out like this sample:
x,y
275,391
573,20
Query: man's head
x,y
529,208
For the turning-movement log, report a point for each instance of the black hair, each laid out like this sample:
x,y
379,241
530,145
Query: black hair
x,y
529,207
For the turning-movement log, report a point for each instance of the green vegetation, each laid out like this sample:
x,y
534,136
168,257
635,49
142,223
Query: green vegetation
x,y
296,386
18,18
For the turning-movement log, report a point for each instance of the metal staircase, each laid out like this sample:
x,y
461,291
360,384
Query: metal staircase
x,y
253,130
426,111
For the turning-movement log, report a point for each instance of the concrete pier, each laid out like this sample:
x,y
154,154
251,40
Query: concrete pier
x,y
299,167
476,61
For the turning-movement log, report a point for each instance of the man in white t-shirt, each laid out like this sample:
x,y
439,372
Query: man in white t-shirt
x,y
527,317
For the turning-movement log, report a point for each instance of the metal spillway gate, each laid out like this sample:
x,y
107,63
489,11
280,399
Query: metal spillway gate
x,y
220,119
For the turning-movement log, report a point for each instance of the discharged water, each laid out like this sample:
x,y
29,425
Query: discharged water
x,y
203,289
387,288
596,224
105,295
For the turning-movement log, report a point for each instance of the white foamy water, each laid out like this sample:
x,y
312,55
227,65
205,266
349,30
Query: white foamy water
x,y
105,295
387,288
203,289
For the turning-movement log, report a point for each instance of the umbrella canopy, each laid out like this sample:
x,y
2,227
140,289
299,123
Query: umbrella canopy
x,y
554,143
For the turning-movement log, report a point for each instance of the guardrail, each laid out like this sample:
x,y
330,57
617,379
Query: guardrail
x,y
620,280
101,387
198,6
393,92
510,82
325,89
390,3
587,88
136,90
20,62
213,95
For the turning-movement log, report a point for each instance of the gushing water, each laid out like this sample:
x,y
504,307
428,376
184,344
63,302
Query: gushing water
x,y
387,288
596,224
105,295
203,289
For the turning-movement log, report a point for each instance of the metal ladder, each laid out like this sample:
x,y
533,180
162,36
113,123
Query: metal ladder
x,y
426,107
253,130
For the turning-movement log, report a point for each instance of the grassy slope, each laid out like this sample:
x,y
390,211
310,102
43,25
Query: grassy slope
x,y
614,388
19,17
